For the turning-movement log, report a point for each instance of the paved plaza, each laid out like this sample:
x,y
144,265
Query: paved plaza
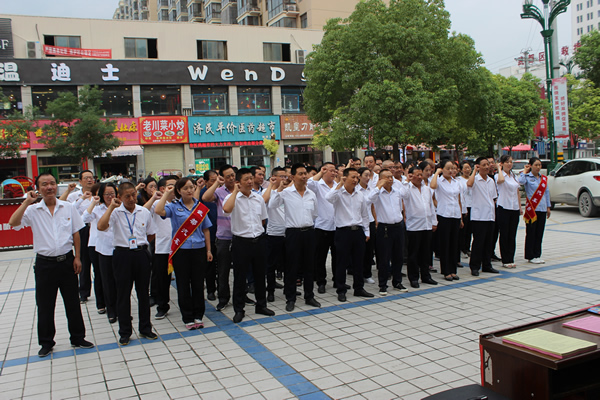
x,y
402,346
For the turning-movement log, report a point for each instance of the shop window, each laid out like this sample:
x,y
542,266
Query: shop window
x,y
140,48
217,157
209,100
254,100
211,49
302,153
117,100
277,52
160,100
285,22
41,95
63,168
11,96
292,100
63,41
254,155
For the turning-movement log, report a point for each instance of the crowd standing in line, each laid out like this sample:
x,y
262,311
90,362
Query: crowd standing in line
x,y
383,213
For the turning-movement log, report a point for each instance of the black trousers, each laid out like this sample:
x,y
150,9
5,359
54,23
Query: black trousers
x,y
324,242
534,234
190,268
299,256
508,222
464,237
495,234
419,245
248,255
353,242
85,276
481,249
109,285
275,259
447,240
160,268
369,248
98,289
50,277
223,269
211,269
390,245
129,267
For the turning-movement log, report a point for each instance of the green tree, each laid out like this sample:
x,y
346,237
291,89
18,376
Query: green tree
x,y
77,130
584,108
393,73
588,56
15,130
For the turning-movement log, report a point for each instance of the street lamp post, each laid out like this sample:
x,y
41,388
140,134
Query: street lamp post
x,y
546,17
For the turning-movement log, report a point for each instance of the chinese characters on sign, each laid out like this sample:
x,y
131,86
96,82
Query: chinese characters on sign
x,y
163,130
8,72
296,127
74,52
560,107
299,149
232,129
127,130
62,72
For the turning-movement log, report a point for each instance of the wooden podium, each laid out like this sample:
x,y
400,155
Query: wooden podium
x,y
520,373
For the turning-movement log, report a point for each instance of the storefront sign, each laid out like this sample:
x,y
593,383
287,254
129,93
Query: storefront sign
x,y
6,38
234,130
146,72
163,130
298,149
127,130
24,146
74,52
202,165
296,127
560,107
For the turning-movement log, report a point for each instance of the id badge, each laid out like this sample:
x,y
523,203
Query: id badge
x,y
132,243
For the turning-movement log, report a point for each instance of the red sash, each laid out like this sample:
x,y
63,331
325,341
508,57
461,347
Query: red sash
x,y
529,215
186,230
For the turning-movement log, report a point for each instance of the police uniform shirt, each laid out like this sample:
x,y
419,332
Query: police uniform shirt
x,y
247,215
52,234
142,226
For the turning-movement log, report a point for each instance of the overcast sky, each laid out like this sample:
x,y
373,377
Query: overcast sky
x,y
495,25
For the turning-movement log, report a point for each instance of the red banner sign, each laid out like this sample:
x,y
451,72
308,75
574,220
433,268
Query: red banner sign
x,y
9,238
127,130
74,52
163,130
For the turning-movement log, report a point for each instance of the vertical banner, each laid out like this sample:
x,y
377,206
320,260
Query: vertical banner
x,y
560,107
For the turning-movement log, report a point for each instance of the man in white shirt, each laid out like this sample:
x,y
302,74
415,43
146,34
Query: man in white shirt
x,y
370,163
55,225
301,210
275,234
483,216
321,184
390,231
248,215
352,232
133,229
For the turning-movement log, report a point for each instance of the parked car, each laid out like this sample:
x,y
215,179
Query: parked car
x,y
62,187
577,183
519,166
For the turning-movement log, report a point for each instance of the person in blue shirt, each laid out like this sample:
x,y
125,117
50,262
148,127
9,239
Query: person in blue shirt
x,y
190,261
531,179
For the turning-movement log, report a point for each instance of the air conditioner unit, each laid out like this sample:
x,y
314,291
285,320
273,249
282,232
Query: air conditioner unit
x,y
291,7
34,50
301,56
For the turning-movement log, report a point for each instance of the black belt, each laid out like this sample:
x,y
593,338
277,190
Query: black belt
x,y
249,240
139,248
55,259
303,229
351,228
396,224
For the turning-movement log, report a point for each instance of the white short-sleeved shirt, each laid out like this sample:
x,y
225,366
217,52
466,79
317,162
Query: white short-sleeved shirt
x,y
247,216
447,195
466,195
276,224
140,221
365,192
388,205
325,220
163,233
300,211
104,239
76,198
508,192
420,213
484,193
52,234
350,208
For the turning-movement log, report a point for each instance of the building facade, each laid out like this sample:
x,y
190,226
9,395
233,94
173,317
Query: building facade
x,y
585,17
136,10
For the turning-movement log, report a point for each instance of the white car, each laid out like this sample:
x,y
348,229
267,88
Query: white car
x,y
577,183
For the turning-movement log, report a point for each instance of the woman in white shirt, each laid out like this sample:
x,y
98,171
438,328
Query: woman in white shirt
x,y
508,211
466,199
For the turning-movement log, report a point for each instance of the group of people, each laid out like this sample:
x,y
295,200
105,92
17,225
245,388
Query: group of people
x,y
283,227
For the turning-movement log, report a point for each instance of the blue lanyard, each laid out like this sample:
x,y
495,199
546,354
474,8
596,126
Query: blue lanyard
x,y
130,225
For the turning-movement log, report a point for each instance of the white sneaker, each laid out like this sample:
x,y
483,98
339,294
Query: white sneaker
x,y
369,280
537,261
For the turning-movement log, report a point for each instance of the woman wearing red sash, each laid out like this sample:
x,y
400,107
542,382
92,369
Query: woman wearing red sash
x,y
192,251
537,209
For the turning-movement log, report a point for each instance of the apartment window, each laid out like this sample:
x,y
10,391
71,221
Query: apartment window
x,y
140,48
304,21
277,52
254,100
292,100
285,23
251,20
195,10
211,50
160,100
209,100
63,41
42,95
163,15
275,7
254,155
213,11
117,100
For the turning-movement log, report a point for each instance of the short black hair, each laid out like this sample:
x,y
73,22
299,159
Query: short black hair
x,y
362,170
181,183
327,163
532,160
296,166
252,170
348,170
311,168
480,159
423,165
225,168
43,174
369,155
208,174
83,172
277,169
125,186
413,169
355,159
444,162
243,171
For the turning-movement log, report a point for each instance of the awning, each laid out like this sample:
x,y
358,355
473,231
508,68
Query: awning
x,y
123,151
520,147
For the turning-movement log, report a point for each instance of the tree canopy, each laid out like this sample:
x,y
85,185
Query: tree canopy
x,y
587,56
584,108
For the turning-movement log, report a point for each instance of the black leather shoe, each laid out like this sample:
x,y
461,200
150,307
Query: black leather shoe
x,y
363,293
278,285
149,335
44,351
342,297
495,257
238,317
270,297
414,284
321,289
84,344
312,302
124,340
429,281
112,320
474,272
151,301
211,296
221,306
491,270
251,288
448,278
289,306
455,277
264,311
249,301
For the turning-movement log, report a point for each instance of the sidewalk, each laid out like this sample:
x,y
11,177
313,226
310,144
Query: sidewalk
x,y
404,345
